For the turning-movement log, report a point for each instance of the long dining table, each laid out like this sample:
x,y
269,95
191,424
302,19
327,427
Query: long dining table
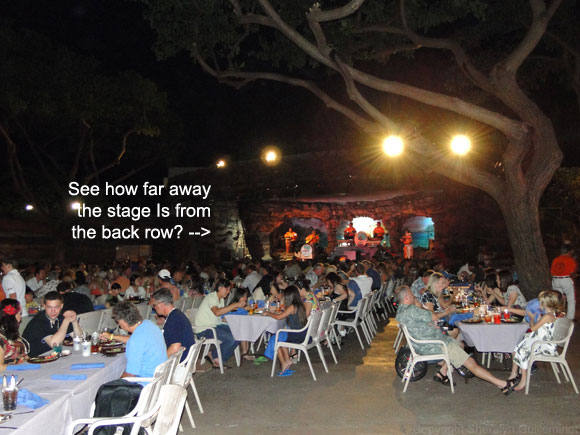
x,y
68,400
251,327
490,337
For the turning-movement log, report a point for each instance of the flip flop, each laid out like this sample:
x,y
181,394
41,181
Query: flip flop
x,y
261,359
285,373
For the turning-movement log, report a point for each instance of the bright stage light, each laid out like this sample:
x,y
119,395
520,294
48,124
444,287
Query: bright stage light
x,y
271,156
29,207
393,146
75,205
460,144
221,164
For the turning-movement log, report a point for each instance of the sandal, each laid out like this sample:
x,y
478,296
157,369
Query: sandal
x,y
509,387
211,361
248,357
442,379
285,373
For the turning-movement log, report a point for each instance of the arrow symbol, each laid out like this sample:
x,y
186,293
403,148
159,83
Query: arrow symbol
x,y
197,233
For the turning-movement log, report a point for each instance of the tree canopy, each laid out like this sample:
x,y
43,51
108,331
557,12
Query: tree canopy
x,y
355,56
63,119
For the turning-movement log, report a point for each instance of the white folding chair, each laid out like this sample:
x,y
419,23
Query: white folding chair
x,y
311,329
183,375
23,323
172,399
144,310
91,321
356,321
562,332
416,357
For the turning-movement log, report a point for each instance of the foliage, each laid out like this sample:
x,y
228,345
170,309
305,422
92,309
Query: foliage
x,y
63,119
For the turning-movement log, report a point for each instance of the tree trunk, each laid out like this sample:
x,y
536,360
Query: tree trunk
x,y
523,227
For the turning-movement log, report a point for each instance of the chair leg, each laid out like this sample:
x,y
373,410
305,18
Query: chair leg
x,y
365,332
189,414
358,336
274,360
220,360
319,348
566,367
329,344
238,356
310,364
556,371
192,384
409,369
450,376
336,337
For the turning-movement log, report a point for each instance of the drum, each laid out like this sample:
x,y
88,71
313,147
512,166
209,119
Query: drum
x,y
361,238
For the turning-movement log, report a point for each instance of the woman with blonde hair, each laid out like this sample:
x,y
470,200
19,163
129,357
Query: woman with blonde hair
x,y
542,330
431,298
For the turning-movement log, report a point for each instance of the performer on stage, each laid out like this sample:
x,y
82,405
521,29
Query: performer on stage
x,y
290,237
407,240
379,231
312,239
349,232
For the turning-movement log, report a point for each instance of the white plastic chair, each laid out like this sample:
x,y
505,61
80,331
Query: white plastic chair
x,y
143,411
183,375
213,341
23,323
356,321
324,328
331,331
398,339
172,399
311,329
415,357
91,321
562,332
144,310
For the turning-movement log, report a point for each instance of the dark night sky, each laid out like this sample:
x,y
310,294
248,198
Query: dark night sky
x,y
219,120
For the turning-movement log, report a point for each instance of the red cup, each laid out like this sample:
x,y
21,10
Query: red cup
x,y
496,319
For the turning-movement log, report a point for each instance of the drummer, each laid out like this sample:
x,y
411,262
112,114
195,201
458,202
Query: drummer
x,y
379,231
349,232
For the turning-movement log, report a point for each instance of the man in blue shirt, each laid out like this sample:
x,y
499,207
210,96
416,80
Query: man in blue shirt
x,y
177,330
145,346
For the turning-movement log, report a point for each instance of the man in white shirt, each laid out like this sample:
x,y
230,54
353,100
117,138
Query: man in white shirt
x,y
37,280
252,278
314,275
13,283
365,282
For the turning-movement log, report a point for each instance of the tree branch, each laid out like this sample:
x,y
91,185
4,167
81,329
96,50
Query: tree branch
x,y
461,58
320,16
134,171
241,78
115,161
541,17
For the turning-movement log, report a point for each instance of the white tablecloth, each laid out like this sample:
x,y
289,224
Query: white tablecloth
x,y
489,337
69,400
250,328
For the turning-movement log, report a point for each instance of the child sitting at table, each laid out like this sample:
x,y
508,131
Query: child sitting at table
x,y
542,330
295,315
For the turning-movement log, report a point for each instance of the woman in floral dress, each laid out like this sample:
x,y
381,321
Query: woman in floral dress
x,y
543,330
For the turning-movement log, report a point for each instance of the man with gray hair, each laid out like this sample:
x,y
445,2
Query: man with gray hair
x,y
422,325
177,329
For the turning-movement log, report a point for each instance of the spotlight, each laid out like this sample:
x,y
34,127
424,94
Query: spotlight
x,y
221,164
393,146
271,156
29,207
460,144
75,205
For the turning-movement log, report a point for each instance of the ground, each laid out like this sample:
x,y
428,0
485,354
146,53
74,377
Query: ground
x,y
363,395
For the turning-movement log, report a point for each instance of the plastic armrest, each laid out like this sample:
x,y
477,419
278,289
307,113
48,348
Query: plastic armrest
x,y
139,379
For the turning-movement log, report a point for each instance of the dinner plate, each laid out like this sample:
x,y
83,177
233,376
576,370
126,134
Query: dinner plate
x,y
111,344
113,351
473,320
511,321
43,359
